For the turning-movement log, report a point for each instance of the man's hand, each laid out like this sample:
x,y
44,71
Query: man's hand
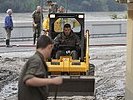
x,y
34,25
35,81
46,32
57,80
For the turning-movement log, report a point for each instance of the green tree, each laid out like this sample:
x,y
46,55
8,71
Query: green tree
x,y
114,6
72,5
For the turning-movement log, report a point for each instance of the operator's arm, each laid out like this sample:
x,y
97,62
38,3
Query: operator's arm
x,y
46,24
57,39
78,42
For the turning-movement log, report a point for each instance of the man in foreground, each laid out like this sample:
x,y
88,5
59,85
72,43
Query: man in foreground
x,y
33,82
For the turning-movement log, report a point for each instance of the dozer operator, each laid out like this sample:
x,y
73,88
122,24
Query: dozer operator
x,y
67,38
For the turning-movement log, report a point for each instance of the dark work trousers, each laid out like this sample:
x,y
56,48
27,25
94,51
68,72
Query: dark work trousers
x,y
37,32
8,36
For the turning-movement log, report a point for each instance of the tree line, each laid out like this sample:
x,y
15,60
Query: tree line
x,y
72,5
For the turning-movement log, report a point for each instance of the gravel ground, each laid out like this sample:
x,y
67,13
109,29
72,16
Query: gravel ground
x,y
110,70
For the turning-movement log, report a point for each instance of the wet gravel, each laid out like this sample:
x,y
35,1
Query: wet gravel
x,y
110,70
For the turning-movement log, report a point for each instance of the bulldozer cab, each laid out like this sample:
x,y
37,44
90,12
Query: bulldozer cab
x,y
76,20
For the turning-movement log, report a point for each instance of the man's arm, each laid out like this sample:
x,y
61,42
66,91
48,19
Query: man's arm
x,y
35,81
78,42
6,21
34,74
46,24
33,17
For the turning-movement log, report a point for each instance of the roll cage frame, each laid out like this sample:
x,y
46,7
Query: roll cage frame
x,y
79,17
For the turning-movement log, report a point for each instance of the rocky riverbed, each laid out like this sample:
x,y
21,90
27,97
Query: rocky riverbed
x,y
110,70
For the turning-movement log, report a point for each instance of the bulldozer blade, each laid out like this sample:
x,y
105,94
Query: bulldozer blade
x,y
74,87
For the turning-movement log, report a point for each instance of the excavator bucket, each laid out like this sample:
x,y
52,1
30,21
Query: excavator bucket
x,y
80,86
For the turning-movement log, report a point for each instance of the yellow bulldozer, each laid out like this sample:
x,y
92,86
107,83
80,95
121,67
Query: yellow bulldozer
x,y
78,75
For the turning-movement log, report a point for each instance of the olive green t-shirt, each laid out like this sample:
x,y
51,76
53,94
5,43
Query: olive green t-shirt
x,y
38,17
34,67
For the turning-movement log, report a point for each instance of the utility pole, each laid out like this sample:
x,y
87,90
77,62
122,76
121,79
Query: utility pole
x,y
129,61
129,65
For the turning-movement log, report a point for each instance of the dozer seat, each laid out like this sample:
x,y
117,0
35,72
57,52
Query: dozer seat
x,y
67,49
